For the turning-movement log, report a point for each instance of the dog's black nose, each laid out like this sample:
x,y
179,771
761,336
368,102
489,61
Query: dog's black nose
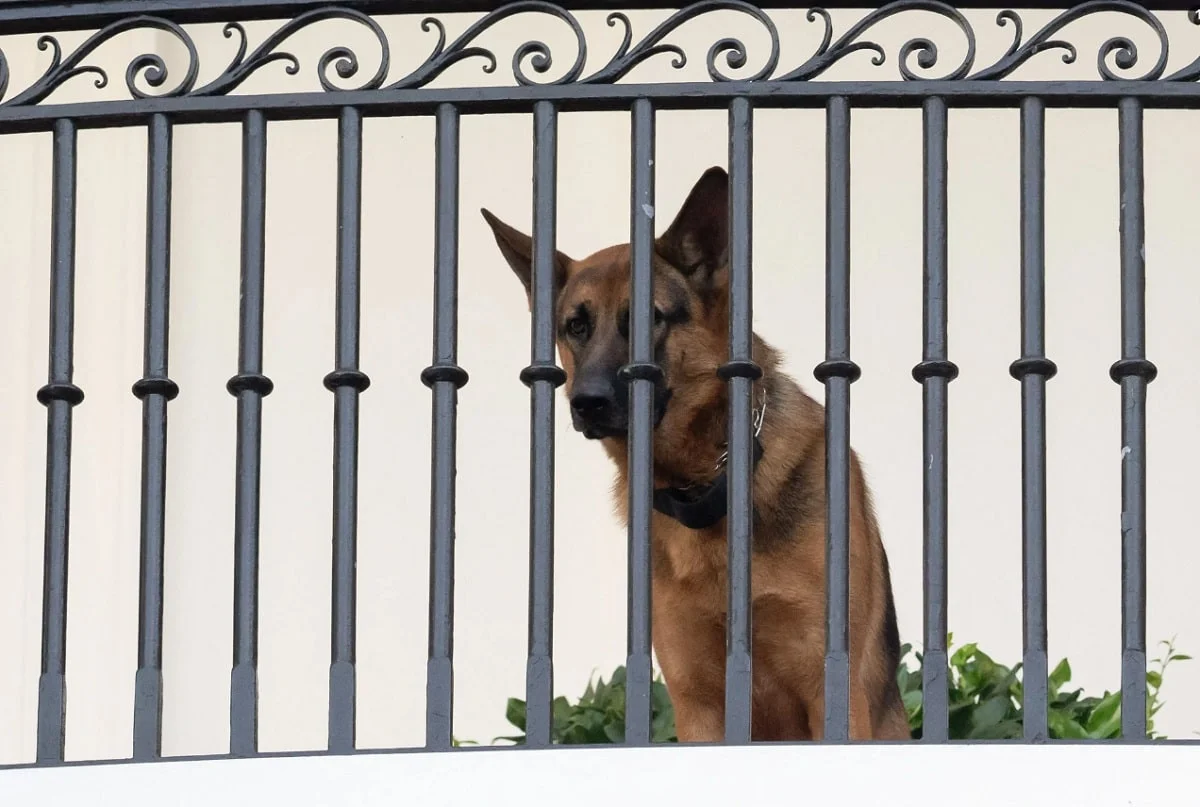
x,y
593,400
590,404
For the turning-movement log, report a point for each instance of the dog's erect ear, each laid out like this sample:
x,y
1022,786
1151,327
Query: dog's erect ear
x,y
517,249
697,242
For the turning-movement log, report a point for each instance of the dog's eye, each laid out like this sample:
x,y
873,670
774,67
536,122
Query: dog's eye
x,y
658,316
577,327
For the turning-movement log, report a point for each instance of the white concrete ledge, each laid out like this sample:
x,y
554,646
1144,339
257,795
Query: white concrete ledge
x,y
895,775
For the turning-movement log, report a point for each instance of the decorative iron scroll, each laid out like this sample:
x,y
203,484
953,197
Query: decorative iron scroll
x,y
1118,51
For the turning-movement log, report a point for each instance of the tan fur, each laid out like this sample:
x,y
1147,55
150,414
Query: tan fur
x,y
788,563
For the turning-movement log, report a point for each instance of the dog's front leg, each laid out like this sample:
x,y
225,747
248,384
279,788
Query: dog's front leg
x,y
690,645
860,715
699,720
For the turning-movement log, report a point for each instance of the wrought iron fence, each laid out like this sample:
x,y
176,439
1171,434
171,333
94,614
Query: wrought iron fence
x,y
159,101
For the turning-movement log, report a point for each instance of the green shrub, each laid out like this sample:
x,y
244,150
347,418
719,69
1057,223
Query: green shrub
x,y
986,698
599,714
985,703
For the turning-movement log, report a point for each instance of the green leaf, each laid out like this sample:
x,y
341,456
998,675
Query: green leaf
x,y
912,702
1064,728
1004,730
962,654
1059,676
989,714
1105,719
515,713
1154,679
659,697
662,727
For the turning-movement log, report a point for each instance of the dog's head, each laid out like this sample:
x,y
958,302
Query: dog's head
x,y
690,314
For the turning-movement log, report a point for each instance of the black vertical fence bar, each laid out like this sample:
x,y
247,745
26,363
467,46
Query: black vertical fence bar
x,y
249,386
59,396
837,372
346,382
740,372
644,375
154,389
1032,370
935,372
1133,372
542,376
444,377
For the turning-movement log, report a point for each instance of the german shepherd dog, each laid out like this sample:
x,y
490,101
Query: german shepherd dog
x,y
691,325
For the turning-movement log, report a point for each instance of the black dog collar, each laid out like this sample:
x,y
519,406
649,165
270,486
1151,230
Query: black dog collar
x,y
698,507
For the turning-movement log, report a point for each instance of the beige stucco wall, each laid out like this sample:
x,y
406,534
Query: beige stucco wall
x,y
492,564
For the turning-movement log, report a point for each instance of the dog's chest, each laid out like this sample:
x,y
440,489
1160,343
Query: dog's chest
x,y
689,557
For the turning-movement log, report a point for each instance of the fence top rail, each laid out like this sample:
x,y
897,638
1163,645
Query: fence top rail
x,y
149,80
146,77
977,80
602,98
38,16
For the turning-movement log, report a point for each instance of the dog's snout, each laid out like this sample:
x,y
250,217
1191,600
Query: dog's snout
x,y
597,404
590,400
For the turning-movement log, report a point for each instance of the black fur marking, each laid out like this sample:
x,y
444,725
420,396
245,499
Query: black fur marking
x,y
678,314
796,503
675,316
660,353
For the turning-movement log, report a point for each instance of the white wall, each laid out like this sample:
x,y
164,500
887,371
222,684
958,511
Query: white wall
x,y
1112,776
985,537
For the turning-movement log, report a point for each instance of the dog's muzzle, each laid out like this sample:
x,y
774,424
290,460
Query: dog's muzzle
x,y
601,410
